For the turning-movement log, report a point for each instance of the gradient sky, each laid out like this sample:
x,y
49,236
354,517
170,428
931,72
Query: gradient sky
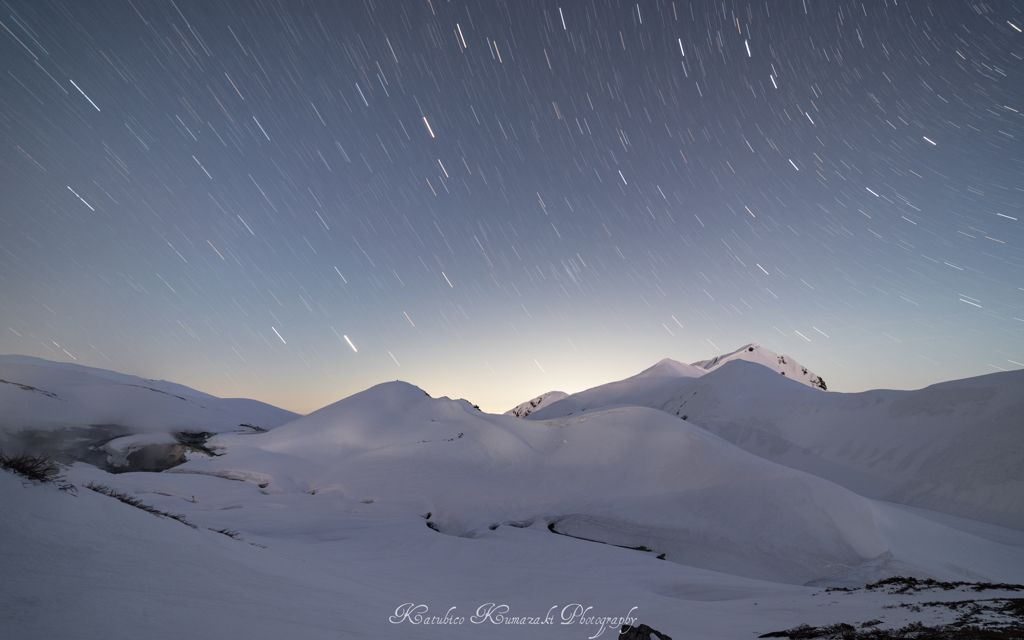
x,y
495,199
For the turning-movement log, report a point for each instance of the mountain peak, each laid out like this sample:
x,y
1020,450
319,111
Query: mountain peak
x,y
669,368
663,377
540,401
755,353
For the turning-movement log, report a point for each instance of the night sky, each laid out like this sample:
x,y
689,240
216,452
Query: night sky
x,y
293,201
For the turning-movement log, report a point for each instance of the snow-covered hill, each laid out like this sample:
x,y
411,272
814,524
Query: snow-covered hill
x,y
955,447
539,402
108,417
630,476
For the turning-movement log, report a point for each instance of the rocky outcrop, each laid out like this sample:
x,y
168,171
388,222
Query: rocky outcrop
x,y
643,632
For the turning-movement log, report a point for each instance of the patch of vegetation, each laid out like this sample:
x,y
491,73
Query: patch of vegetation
x,y
26,387
806,632
458,437
980,619
234,535
901,585
36,469
914,631
135,502
159,391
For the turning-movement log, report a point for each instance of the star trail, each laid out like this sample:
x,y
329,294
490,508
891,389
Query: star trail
x,y
292,201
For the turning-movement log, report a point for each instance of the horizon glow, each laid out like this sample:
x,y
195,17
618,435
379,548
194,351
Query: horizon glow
x,y
493,202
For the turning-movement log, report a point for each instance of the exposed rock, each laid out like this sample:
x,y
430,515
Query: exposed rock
x,y
643,632
155,457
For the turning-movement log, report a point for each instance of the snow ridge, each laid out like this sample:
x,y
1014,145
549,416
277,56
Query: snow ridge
x,y
539,402
783,364
662,378
108,418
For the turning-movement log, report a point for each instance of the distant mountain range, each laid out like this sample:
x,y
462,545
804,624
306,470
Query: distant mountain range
x,y
669,368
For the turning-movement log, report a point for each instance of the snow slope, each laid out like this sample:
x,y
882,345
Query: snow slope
x,y
326,567
631,476
51,406
390,499
955,447
643,389
543,400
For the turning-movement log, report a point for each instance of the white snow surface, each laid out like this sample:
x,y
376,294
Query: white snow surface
x,y
631,476
329,567
334,514
955,447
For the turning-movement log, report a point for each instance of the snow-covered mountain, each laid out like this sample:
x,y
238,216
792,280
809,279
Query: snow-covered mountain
x,y
727,523
111,418
757,354
662,378
953,447
539,402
